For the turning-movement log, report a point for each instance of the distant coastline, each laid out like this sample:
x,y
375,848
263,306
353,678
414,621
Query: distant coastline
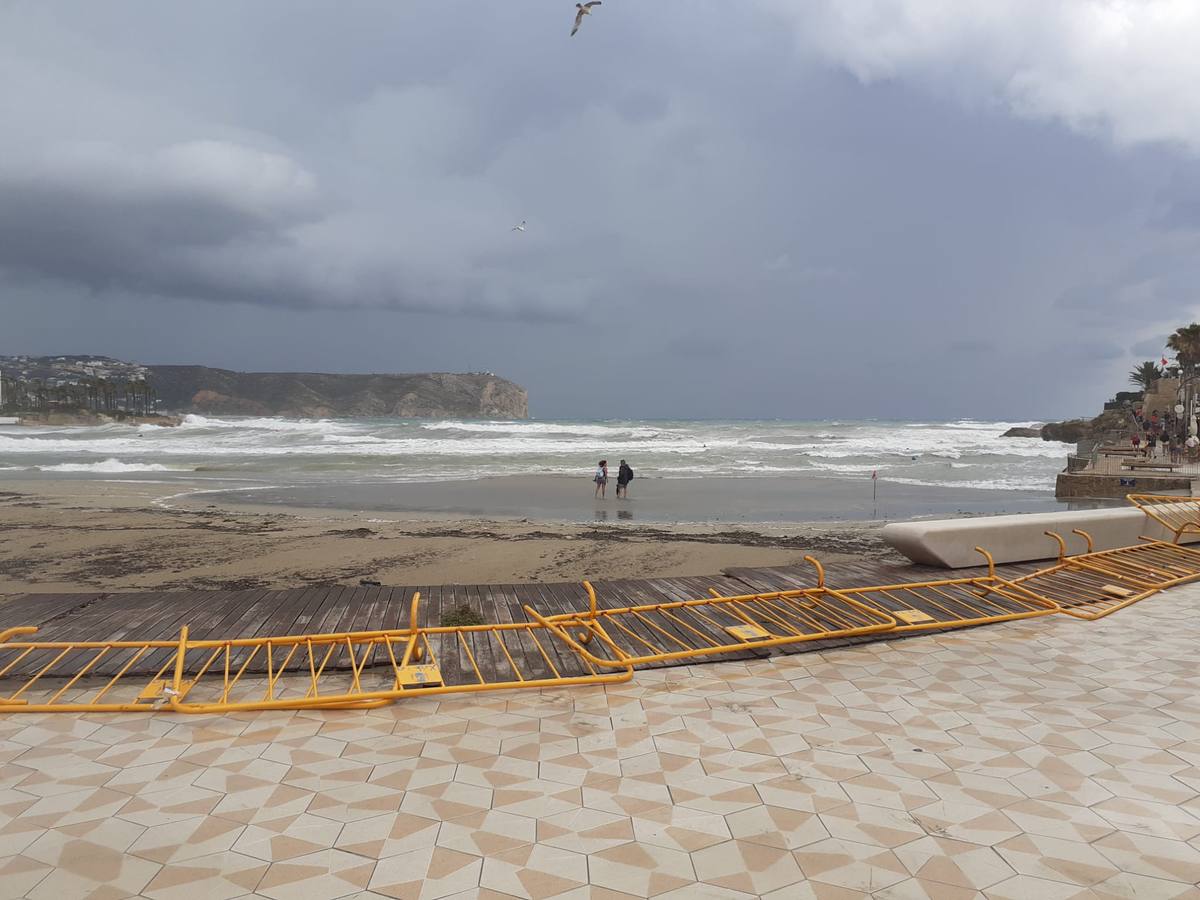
x,y
86,419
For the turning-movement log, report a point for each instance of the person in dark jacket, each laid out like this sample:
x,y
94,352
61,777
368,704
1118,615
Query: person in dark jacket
x,y
624,476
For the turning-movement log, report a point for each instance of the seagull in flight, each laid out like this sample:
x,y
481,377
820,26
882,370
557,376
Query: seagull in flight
x,y
581,10
520,227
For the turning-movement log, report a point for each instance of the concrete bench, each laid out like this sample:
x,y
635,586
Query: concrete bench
x,y
951,543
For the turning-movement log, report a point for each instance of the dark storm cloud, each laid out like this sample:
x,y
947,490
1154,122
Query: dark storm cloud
x,y
726,215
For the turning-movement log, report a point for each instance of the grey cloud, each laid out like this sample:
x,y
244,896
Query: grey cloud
x,y
717,224
224,222
1151,348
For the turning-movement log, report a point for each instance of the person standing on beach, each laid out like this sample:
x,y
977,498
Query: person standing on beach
x,y
624,476
601,478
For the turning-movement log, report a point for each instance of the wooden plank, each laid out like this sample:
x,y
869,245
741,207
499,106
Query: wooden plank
x,y
35,609
498,609
566,661
290,615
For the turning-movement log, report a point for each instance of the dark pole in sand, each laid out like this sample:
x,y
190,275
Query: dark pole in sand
x,y
874,487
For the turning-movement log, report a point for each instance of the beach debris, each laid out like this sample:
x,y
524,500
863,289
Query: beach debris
x,y
369,582
581,10
520,227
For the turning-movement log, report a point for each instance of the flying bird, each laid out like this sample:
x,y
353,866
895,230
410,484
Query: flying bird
x,y
520,227
581,10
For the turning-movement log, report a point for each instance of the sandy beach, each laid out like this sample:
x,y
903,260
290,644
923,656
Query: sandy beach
x,y
75,535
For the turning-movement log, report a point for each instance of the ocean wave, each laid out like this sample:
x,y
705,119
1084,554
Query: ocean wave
x,y
1000,483
271,449
612,430
111,466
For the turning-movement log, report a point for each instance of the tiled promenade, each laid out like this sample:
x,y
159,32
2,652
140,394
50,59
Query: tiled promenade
x,y
1050,758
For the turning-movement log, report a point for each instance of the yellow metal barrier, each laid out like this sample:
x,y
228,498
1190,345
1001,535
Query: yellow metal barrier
x,y
954,602
1095,584
712,626
1179,515
345,670
594,646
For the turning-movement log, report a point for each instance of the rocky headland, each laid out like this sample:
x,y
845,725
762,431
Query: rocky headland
x,y
199,389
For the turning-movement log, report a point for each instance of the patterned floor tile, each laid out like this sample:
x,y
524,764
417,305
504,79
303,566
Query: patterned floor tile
x,y
446,801
175,804
795,791
923,889
429,873
1063,820
875,825
775,826
1025,887
535,871
1153,857
88,805
221,876
487,832
268,803
20,874
584,830
187,839
325,875
1124,886
356,801
1056,859
746,867
850,865
1156,819
89,858
289,838
966,822
679,828
643,870
159,776
954,863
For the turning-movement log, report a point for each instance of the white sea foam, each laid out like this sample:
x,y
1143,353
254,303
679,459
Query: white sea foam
x,y
264,449
112,466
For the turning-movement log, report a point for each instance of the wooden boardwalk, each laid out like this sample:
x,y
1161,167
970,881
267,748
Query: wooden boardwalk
x,y
158,615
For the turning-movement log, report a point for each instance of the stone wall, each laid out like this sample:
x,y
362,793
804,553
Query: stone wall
x,y
1072,486
1163,396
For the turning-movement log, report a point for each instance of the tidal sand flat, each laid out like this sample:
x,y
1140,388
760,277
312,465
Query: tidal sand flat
x,y
82,535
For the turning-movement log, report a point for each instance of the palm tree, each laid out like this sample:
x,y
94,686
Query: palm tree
x,y
1146,375
1186,344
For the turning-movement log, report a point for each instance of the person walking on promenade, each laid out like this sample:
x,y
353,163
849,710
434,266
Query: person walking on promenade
x,y
601,478
624,476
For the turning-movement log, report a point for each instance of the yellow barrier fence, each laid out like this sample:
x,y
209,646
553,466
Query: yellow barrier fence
x,y
594,646
954,602
347,670
1095,584
1179,515
712,626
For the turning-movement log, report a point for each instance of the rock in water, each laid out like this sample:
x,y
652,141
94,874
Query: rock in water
x,y
1023,432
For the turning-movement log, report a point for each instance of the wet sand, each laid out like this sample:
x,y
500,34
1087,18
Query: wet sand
x,y
746,501
86,535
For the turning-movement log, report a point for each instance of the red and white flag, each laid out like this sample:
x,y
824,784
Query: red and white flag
x,y
1164,362
874,474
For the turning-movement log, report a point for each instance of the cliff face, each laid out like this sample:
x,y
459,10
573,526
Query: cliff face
x,y
200,389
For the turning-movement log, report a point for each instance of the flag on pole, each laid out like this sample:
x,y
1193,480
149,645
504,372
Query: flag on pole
x,y
1164,362
874,474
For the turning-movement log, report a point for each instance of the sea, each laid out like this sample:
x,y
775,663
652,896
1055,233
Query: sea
x,y
361,456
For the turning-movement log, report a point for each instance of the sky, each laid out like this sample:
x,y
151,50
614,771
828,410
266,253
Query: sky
x,y
765,208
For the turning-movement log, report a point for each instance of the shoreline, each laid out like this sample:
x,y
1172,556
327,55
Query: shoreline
x,y
751,501
74,535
